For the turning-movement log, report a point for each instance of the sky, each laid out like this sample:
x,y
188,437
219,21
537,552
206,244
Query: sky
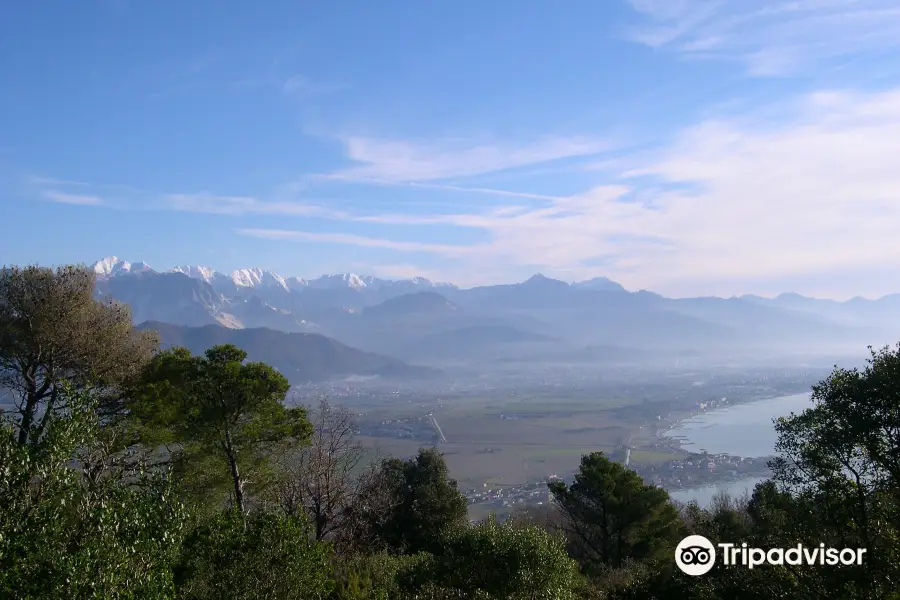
x,y
689,147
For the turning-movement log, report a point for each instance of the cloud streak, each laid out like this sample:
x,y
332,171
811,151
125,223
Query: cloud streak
x,y
770,37
76,199
302,87
204,202
434,186
812,191
803,188
405,161
355,240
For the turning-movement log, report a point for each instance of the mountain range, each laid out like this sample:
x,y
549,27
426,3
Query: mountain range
x,y
425,322
301,357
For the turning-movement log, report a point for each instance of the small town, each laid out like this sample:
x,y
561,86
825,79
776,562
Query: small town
x,y
696,470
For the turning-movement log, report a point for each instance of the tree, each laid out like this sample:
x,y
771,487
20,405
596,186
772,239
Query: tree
x,y
220,418
69,529
320,479
262,555
406,505
611,516
842,457
509,561
53,331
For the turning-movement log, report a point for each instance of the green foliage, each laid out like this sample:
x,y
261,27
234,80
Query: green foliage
x,y
374,576
98,531
611,516
221,420
268,555
407,505
499,561
489,561
54,332
82,518
841,458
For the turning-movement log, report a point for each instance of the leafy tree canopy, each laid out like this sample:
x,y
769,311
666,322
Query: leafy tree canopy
x,y
220,418
611,515
53,331
407,505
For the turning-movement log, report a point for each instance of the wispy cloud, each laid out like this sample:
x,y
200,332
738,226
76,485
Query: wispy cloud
x,y
407,161
806,186
38,181
78,199
204,202
435,186
812,191
300,86
355,240
771,37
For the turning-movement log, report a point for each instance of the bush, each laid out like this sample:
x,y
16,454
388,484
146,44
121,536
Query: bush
x,y
262,555
510,561
72,527
374,577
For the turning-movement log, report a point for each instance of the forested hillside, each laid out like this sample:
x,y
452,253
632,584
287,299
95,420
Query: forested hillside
x,y
128,470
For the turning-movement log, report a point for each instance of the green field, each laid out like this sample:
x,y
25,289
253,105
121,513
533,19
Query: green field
x,y
650,457
511,441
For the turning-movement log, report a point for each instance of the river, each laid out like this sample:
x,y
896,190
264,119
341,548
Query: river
x,y
742,430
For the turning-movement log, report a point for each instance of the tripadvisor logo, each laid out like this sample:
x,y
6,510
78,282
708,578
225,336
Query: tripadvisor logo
x,y
696,555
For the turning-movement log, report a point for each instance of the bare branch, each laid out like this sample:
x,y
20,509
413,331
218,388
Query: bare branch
x,y
322,479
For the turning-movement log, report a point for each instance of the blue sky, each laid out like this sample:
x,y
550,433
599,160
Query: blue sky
x,y
690,147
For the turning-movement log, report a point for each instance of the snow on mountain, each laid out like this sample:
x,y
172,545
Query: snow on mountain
x,y
196,272
113,266
140,267
296,283
413,285
257,277
342,280
242,278
427,283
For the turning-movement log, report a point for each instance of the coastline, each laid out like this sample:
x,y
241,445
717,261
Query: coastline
x,y
735,468
675,417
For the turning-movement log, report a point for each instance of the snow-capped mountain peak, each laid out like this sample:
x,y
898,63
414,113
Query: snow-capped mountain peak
x,y
428,283
341,280
140,267
296,283
256,277
355,281
112,266
196,272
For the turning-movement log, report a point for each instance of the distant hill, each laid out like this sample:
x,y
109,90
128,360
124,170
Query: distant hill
x,y
475,343
419,303
600,284
485,334
301,357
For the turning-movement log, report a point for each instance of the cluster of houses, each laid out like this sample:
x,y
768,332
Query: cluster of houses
x,y
529,494
701,469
